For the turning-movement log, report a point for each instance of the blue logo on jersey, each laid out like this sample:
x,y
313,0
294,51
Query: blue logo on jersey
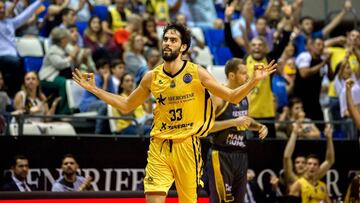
x,y
187,78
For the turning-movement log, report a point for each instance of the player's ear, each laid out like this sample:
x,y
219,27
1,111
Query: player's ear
x,y
183,47
231,75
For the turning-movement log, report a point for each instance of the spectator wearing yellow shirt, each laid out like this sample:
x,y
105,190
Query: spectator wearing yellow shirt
x,y
141,114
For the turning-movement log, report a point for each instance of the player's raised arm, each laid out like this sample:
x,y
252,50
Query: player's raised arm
x,y
261,71
124,104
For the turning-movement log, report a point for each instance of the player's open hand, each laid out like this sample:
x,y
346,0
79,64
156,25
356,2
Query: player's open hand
x,y
261,71
263,132
85,80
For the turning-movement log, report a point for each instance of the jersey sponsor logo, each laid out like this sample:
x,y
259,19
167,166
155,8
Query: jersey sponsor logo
x,y
235,140
180,126
161,99
181,98
239,113
187,78
160,82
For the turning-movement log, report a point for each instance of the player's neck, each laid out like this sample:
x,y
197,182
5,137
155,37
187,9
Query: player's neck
x,y
232,85
174,66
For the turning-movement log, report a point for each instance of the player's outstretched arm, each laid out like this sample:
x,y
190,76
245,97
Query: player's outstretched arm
x,y
290,176
124,104
330,152
261,71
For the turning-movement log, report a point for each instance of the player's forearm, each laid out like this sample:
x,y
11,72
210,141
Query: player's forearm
x,y
290,146
241,92
221,125
330,152
335,22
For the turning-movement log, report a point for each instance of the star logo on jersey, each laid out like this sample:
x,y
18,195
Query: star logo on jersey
x,y
163,126
161,100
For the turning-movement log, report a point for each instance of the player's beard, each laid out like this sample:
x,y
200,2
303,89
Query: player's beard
x,y
171,56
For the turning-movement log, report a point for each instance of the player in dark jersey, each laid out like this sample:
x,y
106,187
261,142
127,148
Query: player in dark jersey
x,y
228,162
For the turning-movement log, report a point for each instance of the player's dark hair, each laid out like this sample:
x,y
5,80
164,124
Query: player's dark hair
x,y
231,66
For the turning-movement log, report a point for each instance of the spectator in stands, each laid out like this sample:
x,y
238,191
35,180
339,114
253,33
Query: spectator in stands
x,y
4,98
153,59
10,62
307,28
90,102
353,111
19,171
136,6
68,20
159,10
253,191
83,9
344,73
70,181
117,71
4,103
117,17
180,7
149,32
122,35
31,100
95,38
53,16
293,172
296,114
134,56
309,187
57,67
140,114
203,13
311,69
30,28
338,53
83,60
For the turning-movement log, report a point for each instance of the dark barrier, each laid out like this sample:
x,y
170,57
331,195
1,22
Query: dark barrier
x,y
84,197
117,164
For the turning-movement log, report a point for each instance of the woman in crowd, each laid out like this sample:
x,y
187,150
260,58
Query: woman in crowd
x,y
95,38
150,36
134,56
31,100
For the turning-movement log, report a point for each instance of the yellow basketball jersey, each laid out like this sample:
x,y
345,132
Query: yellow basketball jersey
x,y
261,97
183,105
312,193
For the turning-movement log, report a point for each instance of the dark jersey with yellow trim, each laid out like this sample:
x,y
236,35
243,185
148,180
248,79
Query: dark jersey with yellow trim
x,y
233,138
183,105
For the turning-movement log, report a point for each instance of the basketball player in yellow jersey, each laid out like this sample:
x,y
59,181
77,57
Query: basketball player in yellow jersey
x,y
309,187
183,113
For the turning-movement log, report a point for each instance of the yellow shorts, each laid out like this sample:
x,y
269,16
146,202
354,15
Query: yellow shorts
x,y
174,160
